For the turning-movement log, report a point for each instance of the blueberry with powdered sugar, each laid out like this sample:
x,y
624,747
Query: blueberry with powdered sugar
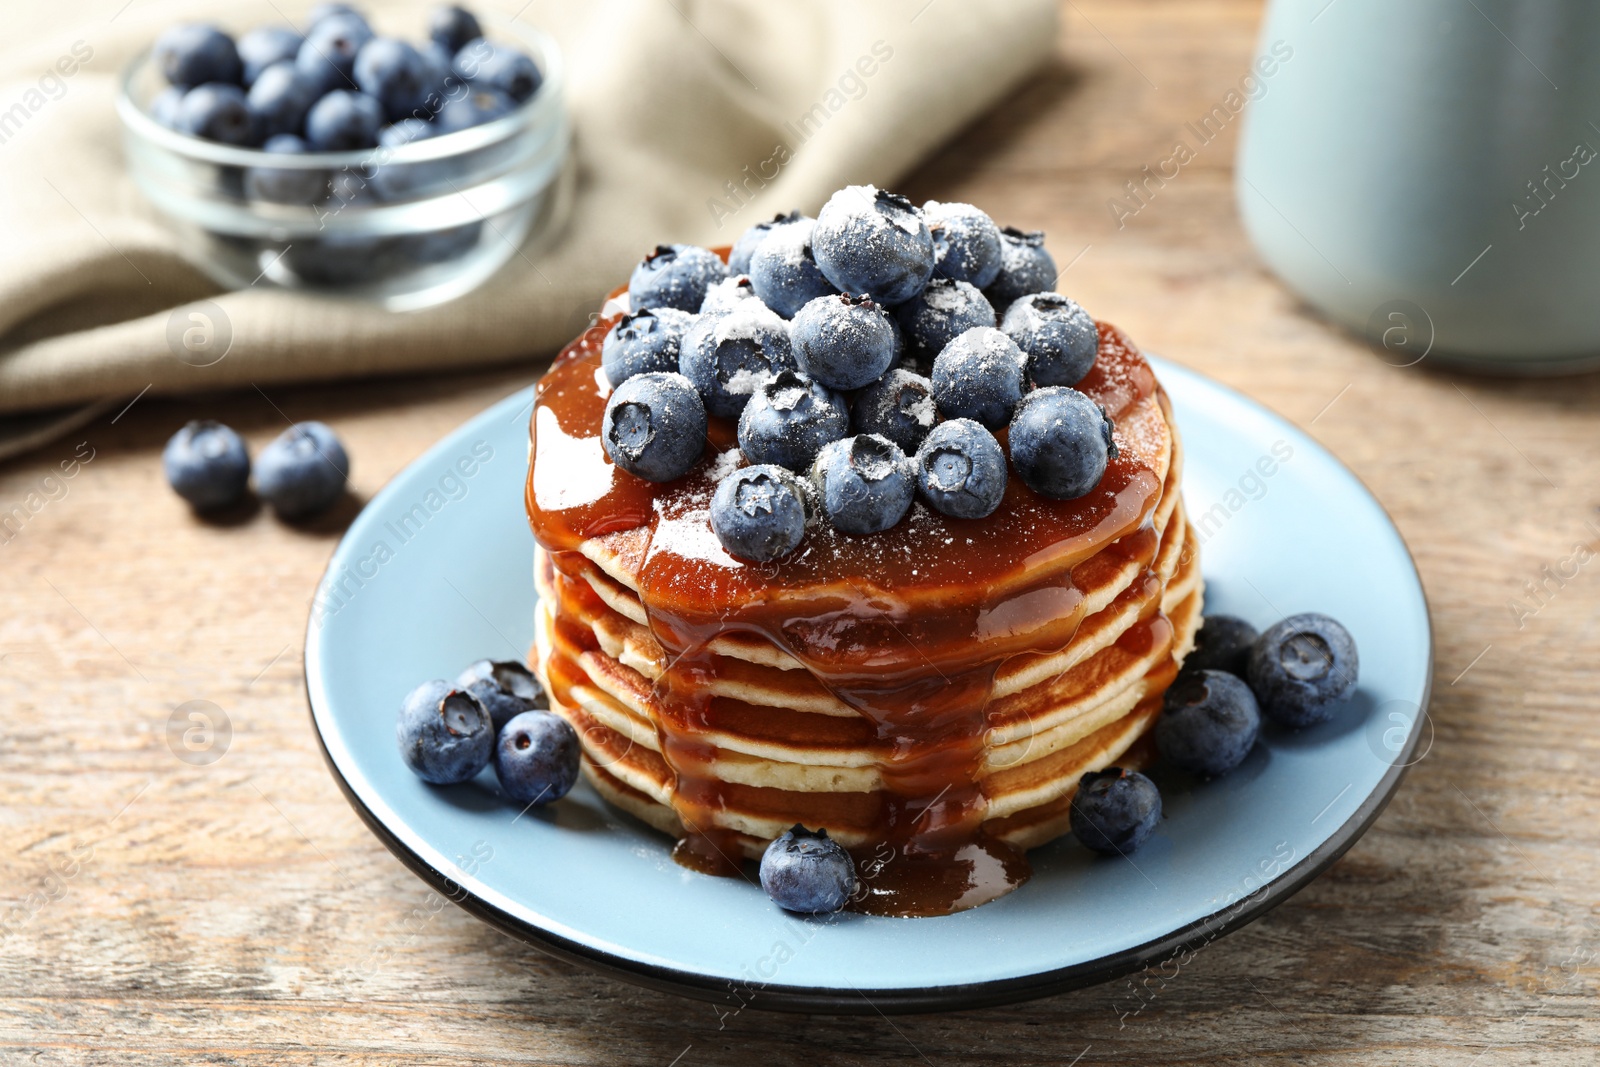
x,y
1059,338
654,426
865,483
728,354
1025,267
1061,442
759,513
789,419
729,293
961,470
644,342
784,272
898,406
749,240
875,242
978,376
966,243
844,342
675,276
939,314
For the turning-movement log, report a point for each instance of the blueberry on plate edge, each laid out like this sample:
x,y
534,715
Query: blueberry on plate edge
x,y
808,872
1302,668
1209,722
1115,810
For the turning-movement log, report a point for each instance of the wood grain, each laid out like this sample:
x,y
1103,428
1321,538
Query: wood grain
x,y
239,913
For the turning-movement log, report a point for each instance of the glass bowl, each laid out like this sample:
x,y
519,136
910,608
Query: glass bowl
x,y
405,228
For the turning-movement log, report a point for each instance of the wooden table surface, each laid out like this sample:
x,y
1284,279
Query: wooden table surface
x,y
160,912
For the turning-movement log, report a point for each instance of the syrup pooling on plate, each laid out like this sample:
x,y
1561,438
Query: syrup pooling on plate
x,y
908,626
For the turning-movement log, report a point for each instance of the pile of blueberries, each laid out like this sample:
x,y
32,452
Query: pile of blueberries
x,y
339,87
496,712
1296,674
301,473
869,356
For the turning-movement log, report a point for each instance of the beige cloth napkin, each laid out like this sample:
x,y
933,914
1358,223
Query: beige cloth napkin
x,y
671,101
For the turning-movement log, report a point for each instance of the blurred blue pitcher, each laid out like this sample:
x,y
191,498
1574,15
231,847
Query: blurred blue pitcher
x,y
1427,173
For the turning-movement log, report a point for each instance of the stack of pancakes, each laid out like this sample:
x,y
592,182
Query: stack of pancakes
x,y
772,743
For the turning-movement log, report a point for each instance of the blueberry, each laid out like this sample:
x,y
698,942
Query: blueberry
x,y
281,185
759,513
197,53
1302,668
504,687
728,354
1221,644
441,246
865,483
1115,810
783,270
844,342
674,276
451,27
280,98
474,109
654,426
394,180
320,12
445,736
939,314
1061,442
978,376
505,70
873,242
1025,267
1059,338
348,187
745,246
220,113
337,259
442,84
261,48
536,758
206,464
898,406
343,120
1208,724
164,106
645,342
394,74
808,872
729,293
966,243
328,56
789,419
302,471
961,470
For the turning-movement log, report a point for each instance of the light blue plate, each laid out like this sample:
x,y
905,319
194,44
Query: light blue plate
x,y
437,572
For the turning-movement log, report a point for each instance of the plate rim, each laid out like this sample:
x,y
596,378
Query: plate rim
x,y
907,999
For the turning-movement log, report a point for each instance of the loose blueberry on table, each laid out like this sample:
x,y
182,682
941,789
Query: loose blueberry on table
x,y
303,471
207,464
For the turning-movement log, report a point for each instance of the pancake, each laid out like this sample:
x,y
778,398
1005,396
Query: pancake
x,y
930,695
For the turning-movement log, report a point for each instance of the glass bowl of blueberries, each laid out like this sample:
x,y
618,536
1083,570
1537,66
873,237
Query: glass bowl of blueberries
x,y
331,158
